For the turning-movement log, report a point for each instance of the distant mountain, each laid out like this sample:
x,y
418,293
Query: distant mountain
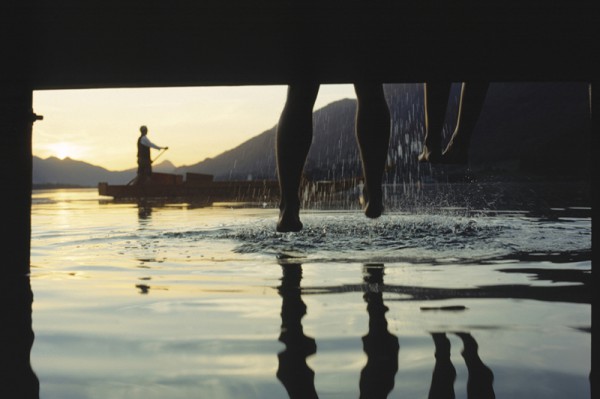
x,y
525,128
255,158
71,172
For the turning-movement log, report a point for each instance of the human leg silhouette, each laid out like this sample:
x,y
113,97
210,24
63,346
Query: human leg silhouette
x,y
472,97
436,103
294,136
373,137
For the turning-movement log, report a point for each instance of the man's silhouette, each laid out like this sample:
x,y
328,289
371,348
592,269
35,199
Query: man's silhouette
x,y
143,156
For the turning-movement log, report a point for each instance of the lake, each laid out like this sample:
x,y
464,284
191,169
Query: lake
x,y
177,301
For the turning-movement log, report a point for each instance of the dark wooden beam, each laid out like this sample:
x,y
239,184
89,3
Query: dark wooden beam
x,y
113,43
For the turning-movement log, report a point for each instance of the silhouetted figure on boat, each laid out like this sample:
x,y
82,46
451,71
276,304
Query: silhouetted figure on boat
x,y
480,380
144,160
294,137
471,101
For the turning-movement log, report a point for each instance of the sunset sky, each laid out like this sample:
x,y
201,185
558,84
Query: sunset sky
x,y
101,126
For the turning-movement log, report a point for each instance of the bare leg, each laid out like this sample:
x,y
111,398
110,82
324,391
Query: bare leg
x,y
436,103
294,136
373,136
472,97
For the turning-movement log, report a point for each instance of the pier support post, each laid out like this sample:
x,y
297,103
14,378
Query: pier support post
x,y
16,120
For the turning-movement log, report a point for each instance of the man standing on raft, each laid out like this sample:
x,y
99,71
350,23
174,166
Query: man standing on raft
x,y
143,156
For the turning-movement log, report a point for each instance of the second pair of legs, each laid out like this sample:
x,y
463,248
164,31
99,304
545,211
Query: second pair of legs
x,y
294,137
471,101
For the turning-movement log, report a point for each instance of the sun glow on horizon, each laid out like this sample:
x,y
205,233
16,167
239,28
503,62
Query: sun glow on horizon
x,y
62,150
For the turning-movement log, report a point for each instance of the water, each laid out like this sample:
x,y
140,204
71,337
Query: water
x,y
175,302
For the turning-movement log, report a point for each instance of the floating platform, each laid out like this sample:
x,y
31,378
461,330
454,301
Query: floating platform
x,y
195,187
202,188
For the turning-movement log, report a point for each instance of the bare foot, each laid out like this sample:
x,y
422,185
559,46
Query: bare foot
x,y
455,154
289,219
431,156
373,203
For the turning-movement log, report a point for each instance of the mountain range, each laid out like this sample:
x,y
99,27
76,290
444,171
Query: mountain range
x,y
70,172
536,128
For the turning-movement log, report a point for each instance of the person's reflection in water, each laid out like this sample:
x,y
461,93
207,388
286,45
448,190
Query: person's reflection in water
x,y
293,372
480,380
380,346
444,374
144,210
17,379
144,218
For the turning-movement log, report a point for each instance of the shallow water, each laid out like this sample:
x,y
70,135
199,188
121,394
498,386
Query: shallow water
x,y
180,302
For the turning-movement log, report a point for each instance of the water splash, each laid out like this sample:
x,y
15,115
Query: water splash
x,y
451,234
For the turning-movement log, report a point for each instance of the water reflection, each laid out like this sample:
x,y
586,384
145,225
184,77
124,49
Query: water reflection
x,y
17,379
444,373
480,380
479,383
144,219
293,372
144,211
381,347
572,293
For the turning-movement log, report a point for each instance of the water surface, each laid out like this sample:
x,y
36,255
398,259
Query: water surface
x,y
177,301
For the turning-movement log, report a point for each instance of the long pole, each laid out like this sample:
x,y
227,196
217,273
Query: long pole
x,y
158,156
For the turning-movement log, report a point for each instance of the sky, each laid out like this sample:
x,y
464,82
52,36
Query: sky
x,y
101,126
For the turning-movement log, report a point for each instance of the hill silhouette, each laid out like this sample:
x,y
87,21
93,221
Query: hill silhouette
x,y
54,171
